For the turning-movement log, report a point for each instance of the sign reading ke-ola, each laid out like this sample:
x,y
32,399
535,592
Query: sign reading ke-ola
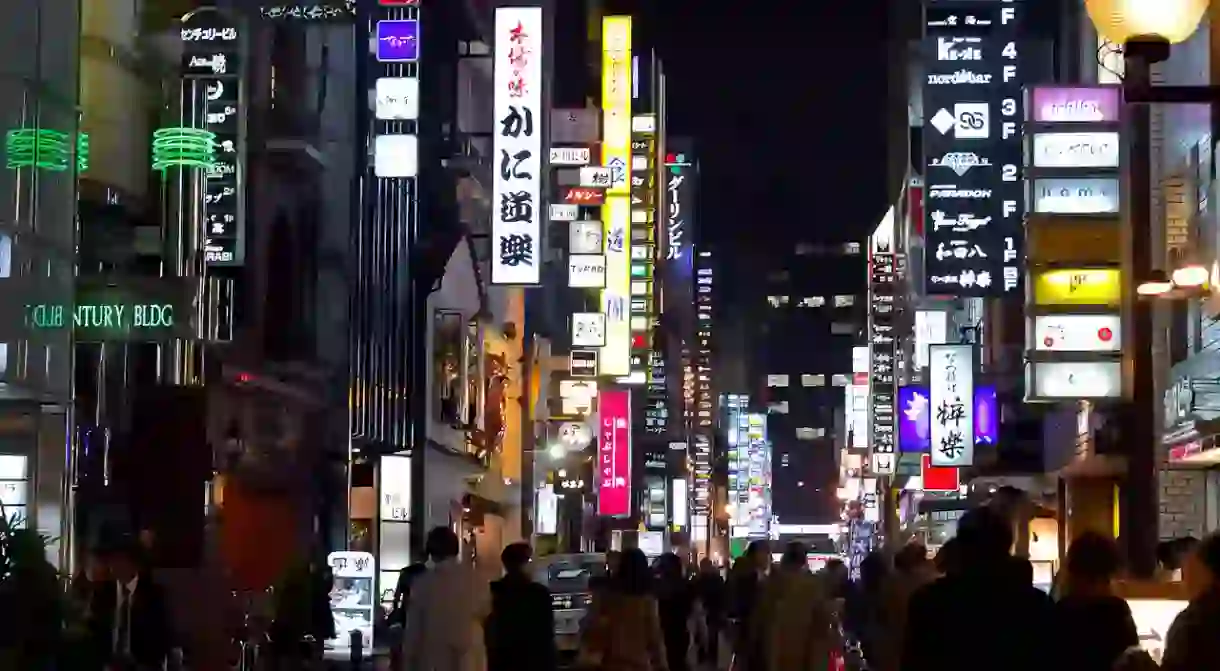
x,y
115,316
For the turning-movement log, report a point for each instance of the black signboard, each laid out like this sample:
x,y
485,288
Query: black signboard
x,y
211,54
974,203
882,350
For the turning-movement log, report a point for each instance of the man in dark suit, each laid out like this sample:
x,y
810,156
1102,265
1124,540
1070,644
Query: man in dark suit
x,y
520,631
130,622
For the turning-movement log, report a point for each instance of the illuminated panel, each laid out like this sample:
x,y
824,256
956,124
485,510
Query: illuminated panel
x,y
643,261
616,155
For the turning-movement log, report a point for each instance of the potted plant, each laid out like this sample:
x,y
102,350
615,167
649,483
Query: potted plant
x,y
35,636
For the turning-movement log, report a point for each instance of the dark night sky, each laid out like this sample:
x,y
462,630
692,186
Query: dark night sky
x,y
786,101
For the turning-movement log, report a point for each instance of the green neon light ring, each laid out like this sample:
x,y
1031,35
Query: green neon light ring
x,y
37,148
183,148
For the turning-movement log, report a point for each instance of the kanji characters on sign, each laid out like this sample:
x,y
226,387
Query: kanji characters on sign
x,y
517,212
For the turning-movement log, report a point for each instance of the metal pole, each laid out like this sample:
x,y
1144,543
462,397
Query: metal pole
x,y
1139,512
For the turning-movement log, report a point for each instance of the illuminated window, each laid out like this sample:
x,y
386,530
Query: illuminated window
x,y
778,408
805,249
777,301
840,380
851,248
808,380
844,301
843,328
807,433
777,380
778,276
813,301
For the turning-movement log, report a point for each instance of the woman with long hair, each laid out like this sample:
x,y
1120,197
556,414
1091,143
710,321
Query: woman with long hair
x,y
622,630
1088,613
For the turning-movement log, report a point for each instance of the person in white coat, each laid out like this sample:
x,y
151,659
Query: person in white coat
x,y
445,616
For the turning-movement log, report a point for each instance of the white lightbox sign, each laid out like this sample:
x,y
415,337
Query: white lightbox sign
x,y
1076,150
397,98
585,237
570,156
395,488
396,156
951,392
1076,195
1077,379
679,494
563,212
595,176
931,328
587,271
1077,333
517,180
588,329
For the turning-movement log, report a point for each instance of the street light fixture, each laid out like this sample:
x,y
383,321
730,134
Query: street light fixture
x,y
1146,29
1120,21
1192,276
1156,285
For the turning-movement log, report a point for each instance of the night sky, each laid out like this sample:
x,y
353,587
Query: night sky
x,y
787,102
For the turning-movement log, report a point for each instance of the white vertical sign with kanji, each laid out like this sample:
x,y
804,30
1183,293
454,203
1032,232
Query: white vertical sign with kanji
x,y
951,382
518,163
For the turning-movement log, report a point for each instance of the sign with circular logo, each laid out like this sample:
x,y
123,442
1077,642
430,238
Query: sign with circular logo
x,y
575,435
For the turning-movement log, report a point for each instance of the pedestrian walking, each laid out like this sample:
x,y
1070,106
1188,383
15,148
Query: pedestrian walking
x,y
520,630
623,628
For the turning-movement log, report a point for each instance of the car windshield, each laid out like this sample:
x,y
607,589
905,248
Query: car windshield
x,y
573,576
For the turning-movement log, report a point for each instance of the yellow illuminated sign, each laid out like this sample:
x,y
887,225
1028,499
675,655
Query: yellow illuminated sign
x,y
615,357
1084,286
616,102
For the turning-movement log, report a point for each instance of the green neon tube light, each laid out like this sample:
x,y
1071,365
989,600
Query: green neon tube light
x,y
183,148
40,148
82,152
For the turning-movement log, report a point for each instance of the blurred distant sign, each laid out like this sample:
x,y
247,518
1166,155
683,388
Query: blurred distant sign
x,y
575,126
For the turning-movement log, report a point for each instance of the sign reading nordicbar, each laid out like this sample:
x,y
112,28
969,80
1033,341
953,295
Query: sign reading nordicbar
x,y
973,102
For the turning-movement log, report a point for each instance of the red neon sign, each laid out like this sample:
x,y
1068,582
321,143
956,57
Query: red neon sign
x,y
583,195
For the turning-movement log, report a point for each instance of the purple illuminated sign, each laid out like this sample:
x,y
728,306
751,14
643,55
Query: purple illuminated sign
x,y
1076,104
914,420
398,41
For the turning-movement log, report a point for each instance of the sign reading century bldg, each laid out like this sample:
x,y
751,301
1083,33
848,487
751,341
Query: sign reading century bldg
x,y
972,100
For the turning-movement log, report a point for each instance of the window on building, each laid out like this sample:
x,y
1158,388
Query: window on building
x,y
840,380
805,249
778,276
777,301
778,408
844,301
851,248
809,433
811,380
843,328
777,380
812,302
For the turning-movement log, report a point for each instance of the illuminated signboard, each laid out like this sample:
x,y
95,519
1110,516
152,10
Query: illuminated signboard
x,y
616,155
130,309
517,181
951,395
1077,333
1074,104
580,195
1076,150
1076,379
973,104
212,51
1091,286
882,347
1075,195
614,454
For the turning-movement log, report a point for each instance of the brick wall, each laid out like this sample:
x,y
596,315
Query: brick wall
x,y
1183,511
